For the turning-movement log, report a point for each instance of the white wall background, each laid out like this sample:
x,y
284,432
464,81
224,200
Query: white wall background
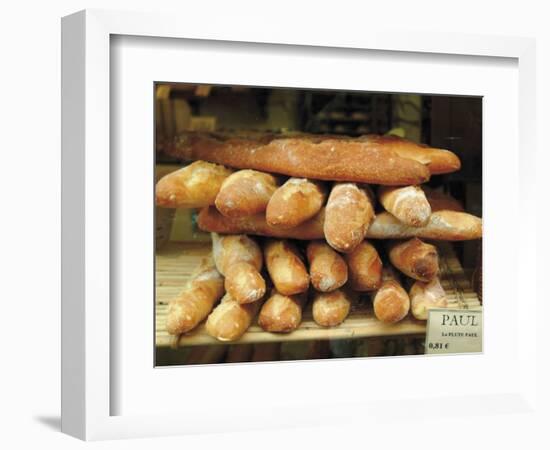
x,y
30,193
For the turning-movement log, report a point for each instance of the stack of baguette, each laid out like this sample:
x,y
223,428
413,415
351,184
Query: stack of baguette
x,y
311,218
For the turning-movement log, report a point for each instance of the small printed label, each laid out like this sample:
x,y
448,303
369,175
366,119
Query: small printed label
x,y
454,331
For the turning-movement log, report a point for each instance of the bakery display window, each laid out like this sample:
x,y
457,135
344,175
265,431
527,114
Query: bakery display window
x,y
302,224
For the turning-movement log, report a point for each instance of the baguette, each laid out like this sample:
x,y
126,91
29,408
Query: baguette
x,y
348,215
443,225
408,204
245,193
281,313
230,319
437,160
415,259
239,258
194,186
316,157
391,302
195,301
425,296
327,269
331,308
365,268
285,267
295,202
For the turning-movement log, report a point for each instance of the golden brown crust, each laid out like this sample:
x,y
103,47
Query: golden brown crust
x,y
443,225
331,308
244,283
193,186
230,319
195,301
285,267
327,269
415,258
245,193
317,157
281,313
425,296
295,202
391,302
348,215
437,160
365,268
408,204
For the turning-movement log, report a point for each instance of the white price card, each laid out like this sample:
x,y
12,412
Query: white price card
x,y
454,331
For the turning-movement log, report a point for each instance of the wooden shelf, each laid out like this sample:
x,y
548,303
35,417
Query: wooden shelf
x,y
176,261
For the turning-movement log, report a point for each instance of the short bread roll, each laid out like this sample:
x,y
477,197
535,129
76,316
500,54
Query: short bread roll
x,y
348,215
408,204
245,193
194,186
196,300
296,201
415,258
425,296
327,269
281,313
365,268
239,258
331,308
285,267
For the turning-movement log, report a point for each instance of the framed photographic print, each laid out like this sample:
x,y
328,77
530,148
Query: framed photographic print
x,y
258,227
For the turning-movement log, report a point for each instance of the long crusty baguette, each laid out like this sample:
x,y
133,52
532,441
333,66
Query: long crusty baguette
x,y
281,313
285,267
415,258
327,269
230,319
348,215
365,268
391,302
331,308
245,193
408,204
443,225
193,186
425,296
437,160
239,258
196,300
295,202
316,157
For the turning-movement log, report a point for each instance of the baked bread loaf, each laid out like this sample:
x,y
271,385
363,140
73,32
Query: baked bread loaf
x,y
327,269
408,204
285,267
365,268
281,313
391,302
245,193
331,308
316,157
196,300
437,160
415,258
348,215
443,225
239,258
193,186
425,296
230,319
295,202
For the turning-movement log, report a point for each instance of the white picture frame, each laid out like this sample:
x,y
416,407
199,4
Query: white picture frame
x,y
90,179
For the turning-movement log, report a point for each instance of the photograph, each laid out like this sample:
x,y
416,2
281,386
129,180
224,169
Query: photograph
x,y
305,224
